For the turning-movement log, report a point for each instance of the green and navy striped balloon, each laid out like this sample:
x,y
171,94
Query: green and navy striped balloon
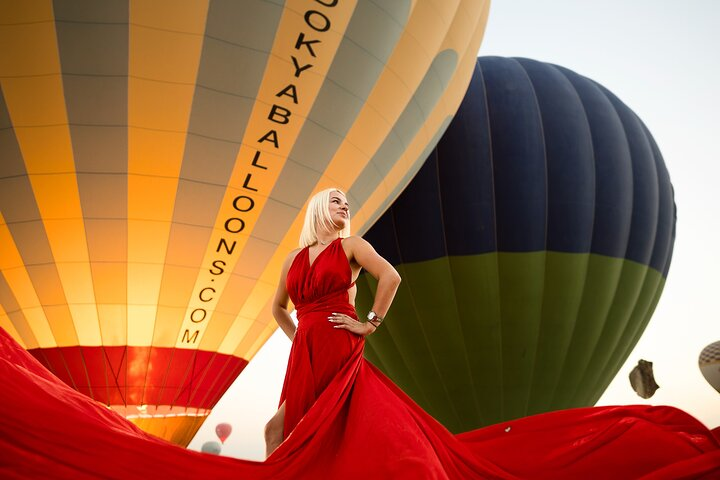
x,y
534,244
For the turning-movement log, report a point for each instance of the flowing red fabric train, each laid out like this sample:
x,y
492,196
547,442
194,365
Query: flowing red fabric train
x,y
346,420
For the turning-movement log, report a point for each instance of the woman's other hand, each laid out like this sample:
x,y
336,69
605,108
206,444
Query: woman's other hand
x,y
350,324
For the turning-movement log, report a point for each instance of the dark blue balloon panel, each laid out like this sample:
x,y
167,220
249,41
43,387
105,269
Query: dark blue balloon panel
x,y
537,158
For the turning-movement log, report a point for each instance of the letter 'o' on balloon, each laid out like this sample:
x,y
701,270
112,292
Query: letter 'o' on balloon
x,y
157,157
533,245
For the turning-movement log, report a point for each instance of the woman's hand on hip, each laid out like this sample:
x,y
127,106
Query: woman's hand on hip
x,y
348,323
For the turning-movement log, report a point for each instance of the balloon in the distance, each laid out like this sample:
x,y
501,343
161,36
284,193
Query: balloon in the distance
x,y
642,379
533,247
151,186
709,363
212,447
223,431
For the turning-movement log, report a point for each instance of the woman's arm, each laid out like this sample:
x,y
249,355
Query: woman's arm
x,y
280,302
362,255
388,278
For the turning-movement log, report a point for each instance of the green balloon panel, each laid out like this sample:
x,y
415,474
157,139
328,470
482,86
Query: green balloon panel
x,y
479,339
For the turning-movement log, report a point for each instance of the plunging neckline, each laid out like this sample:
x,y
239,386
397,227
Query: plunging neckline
x,y
317,257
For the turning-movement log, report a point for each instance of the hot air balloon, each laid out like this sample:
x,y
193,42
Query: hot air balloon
x,y
156,157
709,363
642,379
223,431
533,245
211,447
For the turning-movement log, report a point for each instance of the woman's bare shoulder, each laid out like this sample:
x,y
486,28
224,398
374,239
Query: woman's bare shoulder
x,y
294,253
354,240
357,249
354,243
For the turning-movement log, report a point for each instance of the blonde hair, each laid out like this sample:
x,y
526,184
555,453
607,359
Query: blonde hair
x,y
318,215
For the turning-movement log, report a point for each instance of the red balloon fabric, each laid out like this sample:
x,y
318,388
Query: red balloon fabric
x,y
223,431
349,422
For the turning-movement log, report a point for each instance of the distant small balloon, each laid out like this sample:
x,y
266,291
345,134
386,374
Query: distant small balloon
x,y
642,379
212,447
709,363
223,431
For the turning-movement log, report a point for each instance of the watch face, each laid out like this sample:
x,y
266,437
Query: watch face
x,y
371,315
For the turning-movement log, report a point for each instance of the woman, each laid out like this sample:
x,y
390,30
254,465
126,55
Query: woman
x,y
327,226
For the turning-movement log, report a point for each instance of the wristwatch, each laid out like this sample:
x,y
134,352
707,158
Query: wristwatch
x,y
373,317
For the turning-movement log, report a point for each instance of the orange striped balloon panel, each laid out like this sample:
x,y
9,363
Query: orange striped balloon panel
x,y
156,158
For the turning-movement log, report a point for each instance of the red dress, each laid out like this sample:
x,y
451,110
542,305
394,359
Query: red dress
x,y
344,419
319,351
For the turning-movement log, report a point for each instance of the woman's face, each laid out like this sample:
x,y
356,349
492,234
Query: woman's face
x,y
339,209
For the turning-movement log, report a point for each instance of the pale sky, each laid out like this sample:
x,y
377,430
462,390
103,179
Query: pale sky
x,y
661,58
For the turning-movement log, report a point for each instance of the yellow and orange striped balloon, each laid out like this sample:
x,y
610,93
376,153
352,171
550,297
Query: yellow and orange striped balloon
x,y
155,158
